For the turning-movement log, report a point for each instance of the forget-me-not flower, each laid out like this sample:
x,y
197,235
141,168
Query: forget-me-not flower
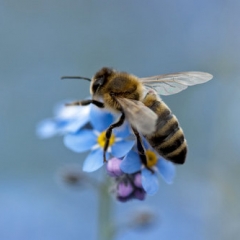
x,y
94,139
67,119
131,163
84,128
127,186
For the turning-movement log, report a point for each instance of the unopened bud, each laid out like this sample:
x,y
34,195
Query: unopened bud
x,y
113,167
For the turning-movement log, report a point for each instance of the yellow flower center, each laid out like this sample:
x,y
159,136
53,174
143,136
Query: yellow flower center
x,y
102,139
151,158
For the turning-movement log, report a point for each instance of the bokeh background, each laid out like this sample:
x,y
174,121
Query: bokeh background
x,y
42,40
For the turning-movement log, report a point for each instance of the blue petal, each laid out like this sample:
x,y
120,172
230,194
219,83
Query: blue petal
x,y
149,182
122,131
71,118
80,116
167,170
121,148
131,163
46,128
74,125
93,161
67,119
100,118
80,142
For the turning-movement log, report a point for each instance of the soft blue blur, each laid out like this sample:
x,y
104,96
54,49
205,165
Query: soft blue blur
x,y
41,41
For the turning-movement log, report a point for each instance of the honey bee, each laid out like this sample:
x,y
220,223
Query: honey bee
x,y
138,101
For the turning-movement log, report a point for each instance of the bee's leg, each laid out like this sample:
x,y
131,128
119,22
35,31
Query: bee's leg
x,y
109,133
141,150
140,147
86,102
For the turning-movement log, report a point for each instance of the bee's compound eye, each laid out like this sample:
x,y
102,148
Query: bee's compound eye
x,y
97,83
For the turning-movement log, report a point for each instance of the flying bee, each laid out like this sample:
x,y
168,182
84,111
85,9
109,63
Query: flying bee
x,y
138,101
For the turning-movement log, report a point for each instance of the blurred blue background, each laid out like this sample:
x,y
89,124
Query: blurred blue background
x,y
43,40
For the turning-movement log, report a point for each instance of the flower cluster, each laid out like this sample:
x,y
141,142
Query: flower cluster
x,y
84,129
126,186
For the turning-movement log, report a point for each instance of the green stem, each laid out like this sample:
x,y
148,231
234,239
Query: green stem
x,y
105,221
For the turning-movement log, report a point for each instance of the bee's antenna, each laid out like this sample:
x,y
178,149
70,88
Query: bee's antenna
x,y
76,77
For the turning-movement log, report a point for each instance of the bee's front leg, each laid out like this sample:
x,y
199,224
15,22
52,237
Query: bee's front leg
x,y
86,102
109,134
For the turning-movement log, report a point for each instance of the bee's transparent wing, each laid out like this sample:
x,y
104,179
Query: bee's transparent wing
x,y
168,84
138,115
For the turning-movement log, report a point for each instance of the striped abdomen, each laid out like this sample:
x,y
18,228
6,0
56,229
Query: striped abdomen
x,y
168,139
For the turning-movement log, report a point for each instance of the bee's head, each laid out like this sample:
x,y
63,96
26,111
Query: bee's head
x,y
100,79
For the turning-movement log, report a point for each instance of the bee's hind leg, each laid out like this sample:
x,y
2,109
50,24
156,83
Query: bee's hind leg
x,y
141,150
86,102
109,134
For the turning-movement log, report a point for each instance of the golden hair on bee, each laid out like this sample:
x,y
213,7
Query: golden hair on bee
x,y
107,83
138,102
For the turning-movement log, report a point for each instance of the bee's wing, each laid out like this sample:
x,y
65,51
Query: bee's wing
x,y
138,115
168,84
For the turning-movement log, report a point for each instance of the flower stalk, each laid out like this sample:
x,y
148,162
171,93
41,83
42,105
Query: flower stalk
x,y
105,219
